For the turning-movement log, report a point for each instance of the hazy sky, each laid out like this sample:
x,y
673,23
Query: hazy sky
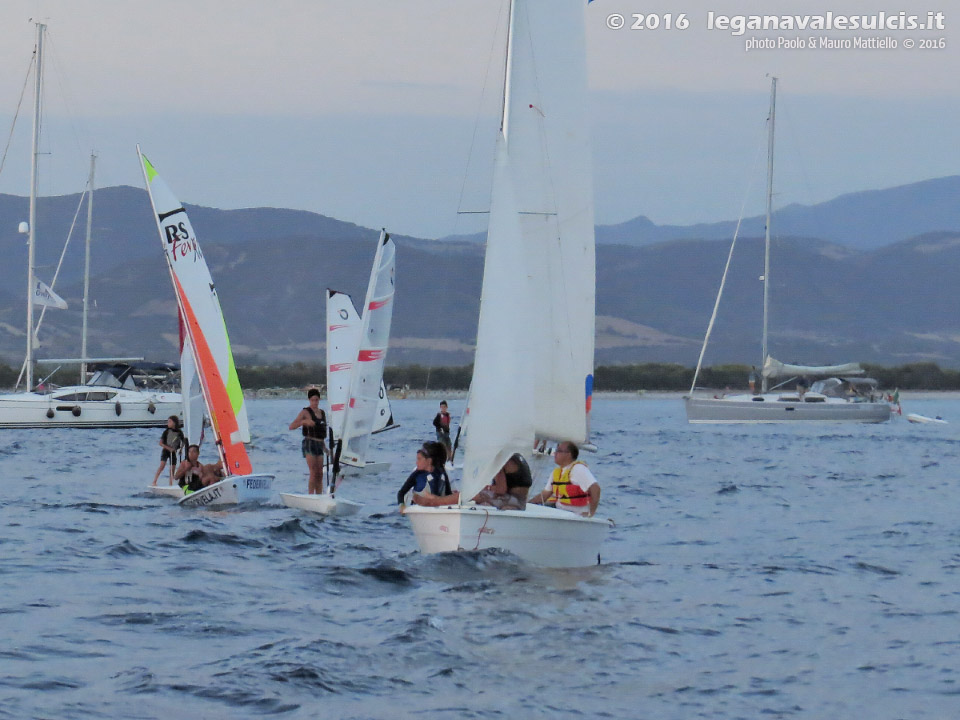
x,y
381,112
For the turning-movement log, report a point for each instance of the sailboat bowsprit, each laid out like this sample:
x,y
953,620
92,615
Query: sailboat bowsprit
x,y
533,367
204,326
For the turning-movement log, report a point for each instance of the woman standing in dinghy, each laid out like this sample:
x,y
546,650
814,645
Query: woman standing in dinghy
x,y
313,423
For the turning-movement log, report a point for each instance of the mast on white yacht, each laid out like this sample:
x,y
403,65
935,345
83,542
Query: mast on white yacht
x,y
766,253
31,257
86,272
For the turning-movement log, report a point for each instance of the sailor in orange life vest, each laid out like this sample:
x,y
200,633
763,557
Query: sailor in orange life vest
x,y
571,486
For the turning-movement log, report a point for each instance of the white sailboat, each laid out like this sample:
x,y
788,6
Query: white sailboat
x,y
819,404
217,376
111,398
359,407
533,368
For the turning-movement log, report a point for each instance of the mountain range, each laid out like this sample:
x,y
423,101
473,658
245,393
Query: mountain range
x,y
864,277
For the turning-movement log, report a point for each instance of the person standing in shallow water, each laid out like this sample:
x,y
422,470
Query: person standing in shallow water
x,y
312,421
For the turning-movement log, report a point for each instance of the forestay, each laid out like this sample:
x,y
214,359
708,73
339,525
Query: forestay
x,y
367,376
203,319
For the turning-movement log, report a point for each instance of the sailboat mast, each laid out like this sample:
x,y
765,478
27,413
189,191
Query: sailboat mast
x,y
86,272
31,242
766,251
508,62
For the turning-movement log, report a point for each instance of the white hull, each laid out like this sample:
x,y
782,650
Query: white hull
x,y
323,504
539,535
235,490
174,491
923,419
136,409
370,468
777,408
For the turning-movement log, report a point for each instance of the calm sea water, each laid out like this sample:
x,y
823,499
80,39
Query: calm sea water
x,y
753,572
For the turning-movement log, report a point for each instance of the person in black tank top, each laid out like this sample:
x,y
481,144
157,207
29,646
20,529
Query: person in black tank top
x,y
312,421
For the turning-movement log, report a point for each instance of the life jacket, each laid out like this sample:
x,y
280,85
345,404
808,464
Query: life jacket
x,y
566,492
319,429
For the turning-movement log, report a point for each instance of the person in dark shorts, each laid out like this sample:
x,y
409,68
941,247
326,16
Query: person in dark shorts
x,y
312,421
510,487
171,441
441,422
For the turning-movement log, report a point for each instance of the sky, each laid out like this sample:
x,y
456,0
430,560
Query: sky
x,y
383,112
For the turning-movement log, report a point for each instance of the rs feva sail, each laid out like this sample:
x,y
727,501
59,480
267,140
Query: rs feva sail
x,y
203,320
363,396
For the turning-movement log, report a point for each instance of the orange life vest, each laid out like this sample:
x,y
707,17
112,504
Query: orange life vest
x,y
566,492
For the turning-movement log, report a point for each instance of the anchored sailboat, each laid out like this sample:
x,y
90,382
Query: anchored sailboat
x,y
820,403
533,368
111,398
203,320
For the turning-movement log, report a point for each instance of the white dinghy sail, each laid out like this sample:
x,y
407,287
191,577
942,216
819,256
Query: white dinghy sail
x,y
533,369
217,375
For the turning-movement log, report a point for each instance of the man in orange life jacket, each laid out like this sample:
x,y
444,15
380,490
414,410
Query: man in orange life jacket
x,y
571,486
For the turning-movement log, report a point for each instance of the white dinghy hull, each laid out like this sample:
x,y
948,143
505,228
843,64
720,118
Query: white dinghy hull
x,y
923,419
235,490
539,535
370,468
774,408
322,504
174,491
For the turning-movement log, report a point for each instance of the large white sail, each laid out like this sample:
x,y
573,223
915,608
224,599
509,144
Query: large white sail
x,y
203,319
547,137
367,376
502,413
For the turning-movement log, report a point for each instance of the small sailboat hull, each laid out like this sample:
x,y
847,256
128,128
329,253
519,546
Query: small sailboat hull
x,y
774,408
923,419
322,504
174,491
539,535
234,490
370,468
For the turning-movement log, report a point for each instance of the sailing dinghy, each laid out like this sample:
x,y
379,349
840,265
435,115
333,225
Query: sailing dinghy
x,y
216,374
359,407
533,368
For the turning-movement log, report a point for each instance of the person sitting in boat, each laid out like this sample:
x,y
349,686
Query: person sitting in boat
x,y
426,485
571,486
212,473
312,421
189,474
510,487
171,441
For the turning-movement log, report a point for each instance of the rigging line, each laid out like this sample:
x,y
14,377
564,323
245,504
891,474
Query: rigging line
x,y
723,280
476,122
63,252
67,100
13,125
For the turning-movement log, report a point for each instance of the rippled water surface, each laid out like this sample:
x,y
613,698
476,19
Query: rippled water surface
x,y
753,572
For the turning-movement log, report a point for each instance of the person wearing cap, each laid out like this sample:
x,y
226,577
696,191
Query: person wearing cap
x,y
572,486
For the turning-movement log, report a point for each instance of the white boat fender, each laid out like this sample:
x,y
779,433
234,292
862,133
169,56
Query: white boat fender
x,y
118,408
50,412
151,408
76,411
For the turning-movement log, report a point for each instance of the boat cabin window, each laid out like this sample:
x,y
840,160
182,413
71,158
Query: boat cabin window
x,y
70,397
100,395
104,378
814,399
789,398
758,399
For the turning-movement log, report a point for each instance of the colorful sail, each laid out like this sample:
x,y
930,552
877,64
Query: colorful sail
x,y
200,306
366,379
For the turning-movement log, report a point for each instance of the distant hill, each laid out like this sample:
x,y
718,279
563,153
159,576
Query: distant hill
x,y
830,302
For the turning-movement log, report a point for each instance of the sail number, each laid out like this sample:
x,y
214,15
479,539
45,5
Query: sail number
x,y
649,21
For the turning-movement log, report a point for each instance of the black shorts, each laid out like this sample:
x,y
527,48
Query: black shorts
x,y
166,455
311,446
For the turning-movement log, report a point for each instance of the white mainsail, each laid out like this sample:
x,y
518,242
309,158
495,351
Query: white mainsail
x,y
366,378
343,340
190,391
774,368
533,370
